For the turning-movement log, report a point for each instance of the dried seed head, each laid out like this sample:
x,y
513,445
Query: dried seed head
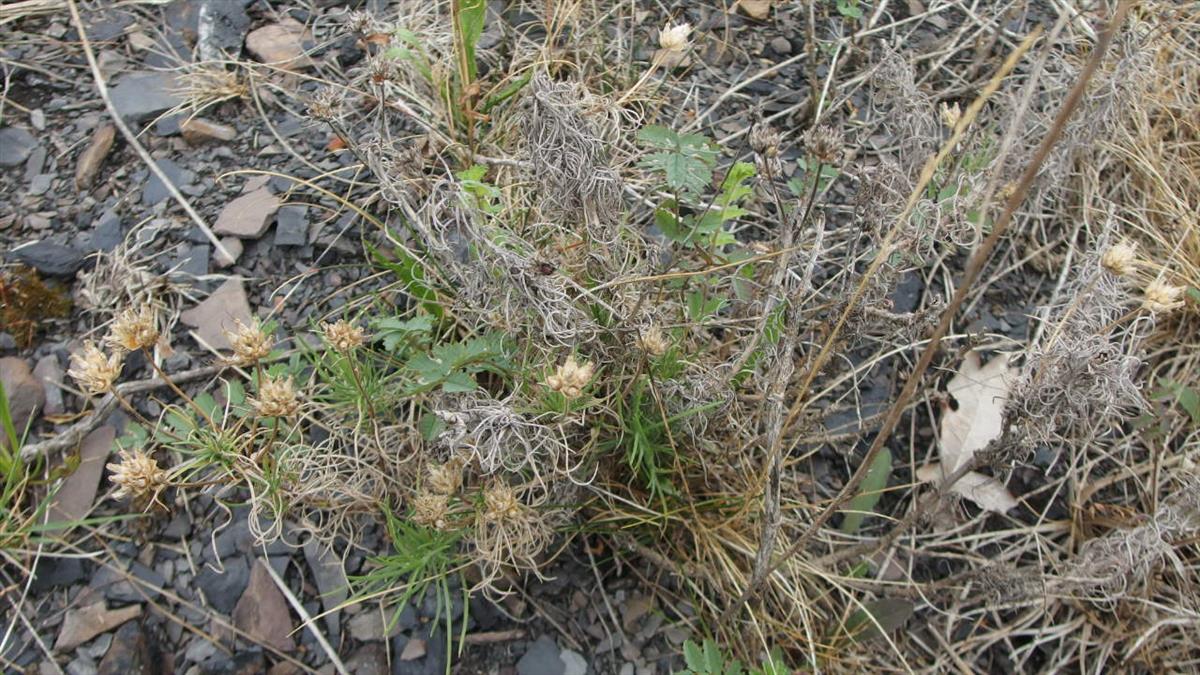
x,y
326,104
94,371
500,503
134,329
430,509
381,69
653,342
360,22
1160,297
138,475
951,114
250,343
825,144
571,377
276,398
675,38
343,336
1120,258
446,479
764,139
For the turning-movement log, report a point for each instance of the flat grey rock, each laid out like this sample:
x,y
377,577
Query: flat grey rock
x,y
144,94
542,659
15,145
156,191
107,233
223,589
291,226
51,259
331,582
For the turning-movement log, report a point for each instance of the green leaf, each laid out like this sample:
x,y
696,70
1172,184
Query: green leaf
x,y
734,187
1189,400
457,383
712,657
396,332
408,47
700,307
872,489
471,16
430,426
235,393
878,618
135,436
682,172
507,92
208,404
849,9
693,656
411,272
1194,294
687,159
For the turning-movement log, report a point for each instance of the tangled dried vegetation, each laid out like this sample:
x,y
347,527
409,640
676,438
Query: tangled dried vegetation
x,y
591,333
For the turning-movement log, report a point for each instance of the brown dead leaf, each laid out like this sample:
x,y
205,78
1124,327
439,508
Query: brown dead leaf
x,y
756,9
986,492
980,392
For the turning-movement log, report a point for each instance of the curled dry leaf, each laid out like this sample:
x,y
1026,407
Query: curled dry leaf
x,y
980,391
756,9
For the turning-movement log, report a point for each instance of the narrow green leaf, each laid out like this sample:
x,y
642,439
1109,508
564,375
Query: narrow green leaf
x,y
871,491
471,16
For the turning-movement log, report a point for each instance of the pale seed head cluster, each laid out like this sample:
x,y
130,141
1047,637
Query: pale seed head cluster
x,y
250,344
1160,297
343,336
94,371
134,329
138,475
1120,258
951,114
653,342
276,398
571,377
500,503
431,509
447,478
674,38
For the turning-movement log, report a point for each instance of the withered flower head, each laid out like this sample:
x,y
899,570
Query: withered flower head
x,y
138,475
326,104
675,38
359,21
343,336
571,377
1120,258
446,479
764,139
94,371
951,114
500,503
276,398
653,342
134,329
1160,297
825,144
250,343
381,69
430,509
